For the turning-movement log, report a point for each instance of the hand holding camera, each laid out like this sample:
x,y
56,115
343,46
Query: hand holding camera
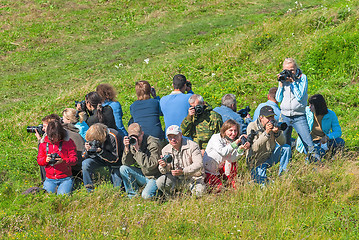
x,y
53,159
129,141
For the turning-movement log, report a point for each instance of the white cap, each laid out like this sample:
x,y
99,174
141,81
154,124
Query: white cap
x,y
173,129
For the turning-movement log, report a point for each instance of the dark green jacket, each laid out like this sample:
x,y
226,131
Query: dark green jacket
x,y
201,128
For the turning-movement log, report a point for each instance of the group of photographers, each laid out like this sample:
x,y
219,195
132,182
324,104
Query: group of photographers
x,y
200,147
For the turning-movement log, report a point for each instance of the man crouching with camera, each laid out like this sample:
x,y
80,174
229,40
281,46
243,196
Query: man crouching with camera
x,y
103,148
268,146
182,165
140,162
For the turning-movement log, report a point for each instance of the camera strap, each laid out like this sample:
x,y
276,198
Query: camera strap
x,y
47,147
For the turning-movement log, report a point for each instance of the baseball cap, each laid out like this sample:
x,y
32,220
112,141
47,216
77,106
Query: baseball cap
x,y
173,129
266,111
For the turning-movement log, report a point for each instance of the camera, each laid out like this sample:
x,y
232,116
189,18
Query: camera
x,y
82,105
53,157
283,75
244,112
250,137
94,145
281,125
199,109
189,84
132,139
167,158
31,129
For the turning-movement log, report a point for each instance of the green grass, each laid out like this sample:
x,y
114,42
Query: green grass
x,y
54,52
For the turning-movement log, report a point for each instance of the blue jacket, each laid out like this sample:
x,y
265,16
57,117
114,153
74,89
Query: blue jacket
x,y
268,103
293,96
117,114
330,126
228,113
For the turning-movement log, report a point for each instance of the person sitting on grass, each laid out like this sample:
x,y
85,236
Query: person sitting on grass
x,y
222,153
71,118
324,126
181,164
103,149
57,154
140,162
108,97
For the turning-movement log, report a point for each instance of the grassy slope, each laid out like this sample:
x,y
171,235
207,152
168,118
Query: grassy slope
x,y
54,52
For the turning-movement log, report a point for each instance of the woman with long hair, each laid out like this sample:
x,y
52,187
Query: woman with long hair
x,y
108,96
222,153
97,113
324,126
57,154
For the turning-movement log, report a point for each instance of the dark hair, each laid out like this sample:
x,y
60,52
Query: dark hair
x,y
51,117
143,90
179,81
95,101
227,125
106,92
320,106
272,92
55,131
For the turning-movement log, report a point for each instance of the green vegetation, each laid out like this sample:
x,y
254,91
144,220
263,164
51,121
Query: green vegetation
x,y
54,52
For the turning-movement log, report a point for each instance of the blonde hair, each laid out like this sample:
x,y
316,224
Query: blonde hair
x,y
290,60
97,132
70,114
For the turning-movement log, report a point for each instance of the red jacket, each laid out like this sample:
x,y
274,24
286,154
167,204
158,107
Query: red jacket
x,y
67,153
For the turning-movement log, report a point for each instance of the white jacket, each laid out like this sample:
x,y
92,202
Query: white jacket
x,y
220,150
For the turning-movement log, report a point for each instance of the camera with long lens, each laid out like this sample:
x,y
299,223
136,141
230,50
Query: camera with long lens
x,y
94,145
283,75
199,109
53,157
132,139
250,137
167,158
32,129
82,105
281,125
244,112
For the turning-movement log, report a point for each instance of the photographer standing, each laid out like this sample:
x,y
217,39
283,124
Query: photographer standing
x,y
292,94
103,148
182,165
201,122
140,162
268,146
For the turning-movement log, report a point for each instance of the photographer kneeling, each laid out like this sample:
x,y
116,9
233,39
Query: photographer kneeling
x,y
268,146
140,162
103,148
57,154
182,164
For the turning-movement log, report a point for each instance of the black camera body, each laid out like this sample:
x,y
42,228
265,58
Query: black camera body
x,y
199,109
132,139
281,125
250,137
283,75
167,158
31,129
244,112
94,145
188,84
53,157
82,105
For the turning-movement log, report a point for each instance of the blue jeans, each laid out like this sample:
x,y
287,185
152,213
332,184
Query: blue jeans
x,y
133,178
300,125
280,154
333,145
90,164
64,185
